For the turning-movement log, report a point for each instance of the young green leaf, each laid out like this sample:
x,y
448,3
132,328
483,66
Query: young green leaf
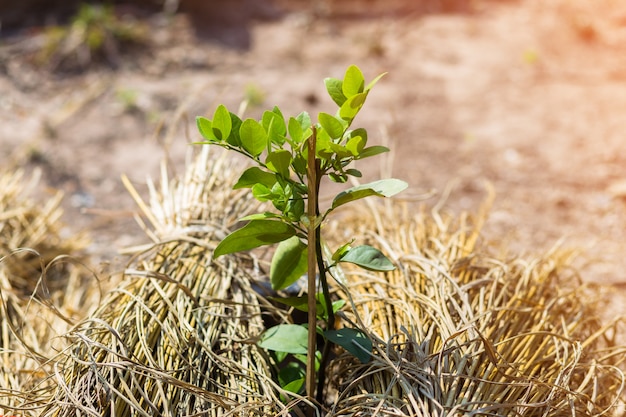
x,y
355,145
339,178
367,257
343,249
299,303
279,161
222,123
253,137
302,303
234,139
254,234
352,106
295,130
381,188
274,125
255,175
335,90
353,81
372,151
260,216
290,338
295,208
289,263
205,128
340,151
374,81
305,121
331,125
354,341
354,172
291,377
262,192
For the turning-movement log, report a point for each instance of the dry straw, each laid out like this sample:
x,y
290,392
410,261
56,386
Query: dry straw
x,y
177,338
38,288
460,333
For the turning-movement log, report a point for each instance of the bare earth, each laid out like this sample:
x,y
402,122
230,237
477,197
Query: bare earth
x,y
529,96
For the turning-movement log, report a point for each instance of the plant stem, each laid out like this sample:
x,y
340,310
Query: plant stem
x,y
312,173
321,380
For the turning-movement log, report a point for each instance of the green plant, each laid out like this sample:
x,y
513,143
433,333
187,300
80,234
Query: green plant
x,y
95,32
291,157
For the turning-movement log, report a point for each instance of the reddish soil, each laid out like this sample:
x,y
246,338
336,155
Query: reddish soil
x,y
529,96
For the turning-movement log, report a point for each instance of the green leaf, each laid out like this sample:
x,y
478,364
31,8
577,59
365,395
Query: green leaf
x,y
299,164
222,123
234,139
352,106
372,151
253,137
340,151
353,81
374,81
260,216
295,130
291,377
338,305
254,234
331,125
335,90
204,126
343,249
290,338
279,161
381,188
305,121
274,125
255,175
367,257
339,178
289,263
355,145
299,303
295,208
322,145
263,193
359,132
354,172
354,341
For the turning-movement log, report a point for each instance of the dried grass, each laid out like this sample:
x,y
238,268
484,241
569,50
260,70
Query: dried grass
x,y
178,337
40,290
459,332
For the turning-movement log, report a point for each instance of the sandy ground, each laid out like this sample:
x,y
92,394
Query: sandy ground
x,y
529,96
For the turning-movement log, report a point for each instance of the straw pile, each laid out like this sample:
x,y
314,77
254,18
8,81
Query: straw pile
x,y
456,331
178,336
37,287
461,333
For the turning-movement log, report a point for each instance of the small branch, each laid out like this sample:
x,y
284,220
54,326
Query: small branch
x,y
312,173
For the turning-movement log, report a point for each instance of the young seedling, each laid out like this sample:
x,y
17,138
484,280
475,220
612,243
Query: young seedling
x,y
290,157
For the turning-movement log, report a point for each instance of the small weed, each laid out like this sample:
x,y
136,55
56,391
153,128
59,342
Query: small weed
x,y
128,99
94,34
255,96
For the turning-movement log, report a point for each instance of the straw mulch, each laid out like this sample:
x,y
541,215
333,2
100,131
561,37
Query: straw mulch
x,y
40,289
458,332
178,336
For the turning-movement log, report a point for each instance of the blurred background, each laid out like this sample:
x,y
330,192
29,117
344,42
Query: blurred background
x,y
526,95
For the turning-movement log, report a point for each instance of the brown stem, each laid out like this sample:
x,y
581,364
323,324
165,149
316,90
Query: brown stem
x,y
312,173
